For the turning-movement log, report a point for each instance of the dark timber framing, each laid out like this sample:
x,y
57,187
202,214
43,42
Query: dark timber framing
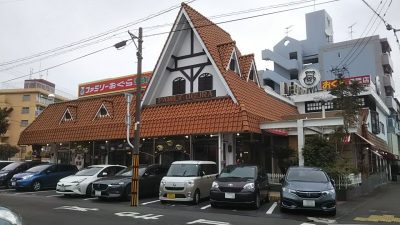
x,y
193,76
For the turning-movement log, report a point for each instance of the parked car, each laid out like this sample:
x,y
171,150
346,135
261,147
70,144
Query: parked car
x,y
8,217
81,182
188,181
42,176
240,184
119,186
7,172
4,163
308,188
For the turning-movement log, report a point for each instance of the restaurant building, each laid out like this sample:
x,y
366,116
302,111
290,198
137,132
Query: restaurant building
x,y
203,102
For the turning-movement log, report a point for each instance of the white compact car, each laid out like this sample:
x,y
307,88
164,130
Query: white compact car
x,y
81,182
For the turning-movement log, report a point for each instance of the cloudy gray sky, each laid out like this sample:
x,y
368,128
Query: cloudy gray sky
x,y
29,27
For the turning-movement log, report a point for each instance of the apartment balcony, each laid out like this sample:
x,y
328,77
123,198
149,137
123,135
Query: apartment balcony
x,y
388,81
387,63
391,103
288,64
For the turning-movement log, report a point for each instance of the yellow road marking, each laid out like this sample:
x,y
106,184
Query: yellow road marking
x,y
379,218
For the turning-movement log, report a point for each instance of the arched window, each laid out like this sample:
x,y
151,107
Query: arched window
x,y
205,82
179,86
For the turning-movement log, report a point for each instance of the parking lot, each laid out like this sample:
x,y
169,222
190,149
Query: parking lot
x,y
267,210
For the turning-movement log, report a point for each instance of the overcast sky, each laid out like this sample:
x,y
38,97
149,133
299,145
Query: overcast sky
x,y
29,27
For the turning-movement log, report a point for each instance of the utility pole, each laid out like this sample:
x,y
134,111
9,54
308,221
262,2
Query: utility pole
x,y
136,146
351,30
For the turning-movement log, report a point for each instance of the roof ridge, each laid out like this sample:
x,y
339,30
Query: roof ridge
x,y
186,6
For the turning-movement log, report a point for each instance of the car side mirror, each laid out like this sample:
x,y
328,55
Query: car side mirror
x,y
202,173
281,180
146,174
333,182
104,174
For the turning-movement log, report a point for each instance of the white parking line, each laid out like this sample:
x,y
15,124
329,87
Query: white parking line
x,y
33,192
145,203
307,224
5,190
271,209
205,207
48,196
89,199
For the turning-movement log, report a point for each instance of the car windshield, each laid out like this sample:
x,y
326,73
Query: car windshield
x,y
36,169
11,166
127,172
307,176
238,172
89,171
183,170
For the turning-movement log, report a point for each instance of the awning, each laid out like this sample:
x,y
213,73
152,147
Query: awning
x,y
280,132
366,140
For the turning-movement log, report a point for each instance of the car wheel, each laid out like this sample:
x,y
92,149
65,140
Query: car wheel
x,y
214,205
163,202
196,197
283,210
89,190
36,186
257,201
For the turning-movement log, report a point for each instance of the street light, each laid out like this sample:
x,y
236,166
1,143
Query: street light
x,y
135,147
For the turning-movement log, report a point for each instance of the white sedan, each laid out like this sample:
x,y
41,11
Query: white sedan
x,y
81,182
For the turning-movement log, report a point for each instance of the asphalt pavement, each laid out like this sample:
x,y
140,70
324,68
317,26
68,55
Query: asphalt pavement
x,y
48,207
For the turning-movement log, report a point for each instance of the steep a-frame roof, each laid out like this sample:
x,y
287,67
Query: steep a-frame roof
x,y
251,98
243,112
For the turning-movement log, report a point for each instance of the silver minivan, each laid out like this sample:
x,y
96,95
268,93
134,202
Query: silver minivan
x,y
188,181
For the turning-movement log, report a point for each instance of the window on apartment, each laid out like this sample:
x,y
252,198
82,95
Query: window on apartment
x,y
26,98
24,123
179,86
269,82
293,55
25,110
382,126
205,82
294,75
375,126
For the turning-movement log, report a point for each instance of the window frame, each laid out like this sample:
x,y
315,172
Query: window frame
x,y
205,82
179,86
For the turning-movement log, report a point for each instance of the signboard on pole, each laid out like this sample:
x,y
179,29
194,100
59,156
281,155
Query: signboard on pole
x,y
113,85
329,84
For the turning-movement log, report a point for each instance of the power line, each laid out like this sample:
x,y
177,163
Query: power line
x,y
360,41
52,67
98,35
243,18
162,33
51,54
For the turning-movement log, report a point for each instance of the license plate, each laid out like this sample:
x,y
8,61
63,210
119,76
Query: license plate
x,y
230,195
97,193
13,183
171,195
62,188
308,203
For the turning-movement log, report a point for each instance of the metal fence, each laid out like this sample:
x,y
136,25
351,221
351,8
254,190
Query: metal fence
x,y
274,178
348,181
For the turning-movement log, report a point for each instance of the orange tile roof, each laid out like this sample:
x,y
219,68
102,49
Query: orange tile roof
x,y
245,64
216,115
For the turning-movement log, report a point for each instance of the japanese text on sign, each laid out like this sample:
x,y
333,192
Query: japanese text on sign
x,y
113,85
329,84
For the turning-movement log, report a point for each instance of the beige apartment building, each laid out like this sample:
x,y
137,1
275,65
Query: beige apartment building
x,y
27,104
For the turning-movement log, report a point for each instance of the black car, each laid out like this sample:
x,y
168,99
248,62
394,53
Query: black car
x,y
7,172
308,188
119,186
4,163
240,184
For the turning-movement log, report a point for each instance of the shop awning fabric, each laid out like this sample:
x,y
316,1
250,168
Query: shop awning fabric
x,y
377,146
